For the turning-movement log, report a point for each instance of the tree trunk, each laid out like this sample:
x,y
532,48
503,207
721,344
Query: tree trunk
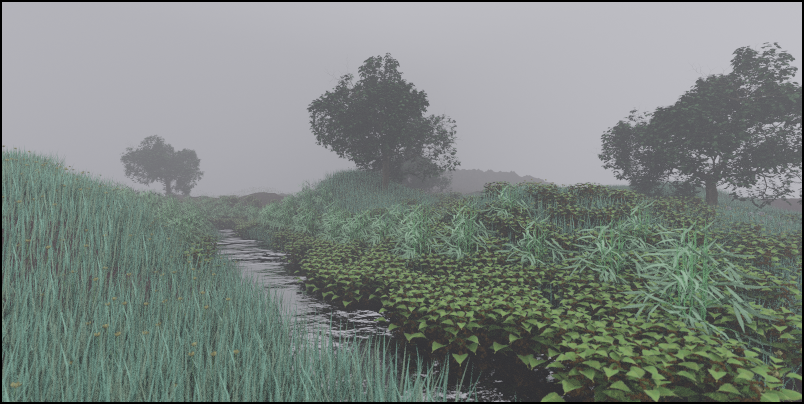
x,y
711,192
168,188
386,172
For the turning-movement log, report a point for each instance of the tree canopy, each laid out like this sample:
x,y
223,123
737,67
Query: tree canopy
x,y
643,166
377,119
718,132
156,161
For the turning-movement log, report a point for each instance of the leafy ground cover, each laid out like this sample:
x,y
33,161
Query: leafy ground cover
x,y
109,295
644,299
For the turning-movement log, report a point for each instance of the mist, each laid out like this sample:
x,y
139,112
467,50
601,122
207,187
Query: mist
x,y
531,87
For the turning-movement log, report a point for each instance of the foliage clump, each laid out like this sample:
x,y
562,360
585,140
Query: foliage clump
x,y
660,266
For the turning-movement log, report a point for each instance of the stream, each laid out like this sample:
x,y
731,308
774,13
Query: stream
x,y
257,261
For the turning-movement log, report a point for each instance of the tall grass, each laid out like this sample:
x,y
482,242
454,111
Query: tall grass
x,y
110,295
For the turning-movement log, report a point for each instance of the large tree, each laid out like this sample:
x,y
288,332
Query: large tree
x,y
644,167
411,169
738,129
380,117
156,161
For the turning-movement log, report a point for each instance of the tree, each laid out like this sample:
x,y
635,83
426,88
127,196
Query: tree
x,y
412,170
718,119
374,121
415,175
156,161
628,147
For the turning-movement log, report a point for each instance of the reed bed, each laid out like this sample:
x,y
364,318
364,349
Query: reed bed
x,y
110,295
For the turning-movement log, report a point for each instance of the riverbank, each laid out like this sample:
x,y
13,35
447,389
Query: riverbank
x,y
139,285
345,236
113,296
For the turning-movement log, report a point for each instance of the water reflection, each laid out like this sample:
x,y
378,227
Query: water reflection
x,y
499,379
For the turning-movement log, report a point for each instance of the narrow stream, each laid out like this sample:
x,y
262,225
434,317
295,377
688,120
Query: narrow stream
x,y
499,382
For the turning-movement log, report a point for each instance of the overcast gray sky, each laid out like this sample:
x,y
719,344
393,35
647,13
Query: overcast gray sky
x,y
531,87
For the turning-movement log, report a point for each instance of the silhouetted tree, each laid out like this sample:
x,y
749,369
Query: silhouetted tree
x,y
375,120
156,161
412,170
719,118
644,167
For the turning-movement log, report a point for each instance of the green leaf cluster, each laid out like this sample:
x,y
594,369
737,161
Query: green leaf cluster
x,y
642,298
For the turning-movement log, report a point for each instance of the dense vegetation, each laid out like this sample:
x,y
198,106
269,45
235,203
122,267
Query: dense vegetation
x,y
109,295
113,296
538,269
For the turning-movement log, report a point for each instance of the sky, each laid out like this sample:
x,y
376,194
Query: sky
x,y
532,88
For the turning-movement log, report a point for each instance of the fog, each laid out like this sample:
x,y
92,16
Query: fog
x,y
532,88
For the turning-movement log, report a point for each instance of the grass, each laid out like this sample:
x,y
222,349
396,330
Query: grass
x,y
174,321
113,296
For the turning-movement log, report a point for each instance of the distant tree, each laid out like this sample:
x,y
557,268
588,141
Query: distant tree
x,y
414,175
644,167
374,121
156,161
719,119
411,169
